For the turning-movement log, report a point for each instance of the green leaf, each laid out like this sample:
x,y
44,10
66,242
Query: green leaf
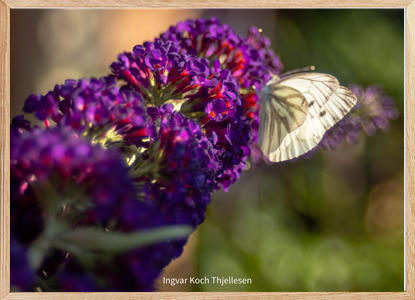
x,y
41,246
116,242
36,255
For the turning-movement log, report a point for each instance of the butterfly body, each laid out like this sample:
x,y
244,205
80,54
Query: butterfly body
x,y
296,111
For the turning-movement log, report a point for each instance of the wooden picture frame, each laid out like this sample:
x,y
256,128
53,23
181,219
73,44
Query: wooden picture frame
x,y
5,7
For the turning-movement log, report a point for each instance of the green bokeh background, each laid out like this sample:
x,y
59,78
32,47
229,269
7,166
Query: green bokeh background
x,y
334,222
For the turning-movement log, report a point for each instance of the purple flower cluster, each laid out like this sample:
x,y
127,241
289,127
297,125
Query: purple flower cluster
x,y
93,108
55,172
56,162
176,158
250,59
164,72
91,186
372,111
174,189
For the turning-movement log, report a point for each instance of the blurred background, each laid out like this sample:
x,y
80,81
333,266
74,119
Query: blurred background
x,y
334,222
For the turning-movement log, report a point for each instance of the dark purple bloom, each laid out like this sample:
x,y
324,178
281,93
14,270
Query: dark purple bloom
x,y
53,162
94,188
57,161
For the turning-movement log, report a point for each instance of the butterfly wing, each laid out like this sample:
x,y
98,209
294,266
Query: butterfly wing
x,y
283,110
327,102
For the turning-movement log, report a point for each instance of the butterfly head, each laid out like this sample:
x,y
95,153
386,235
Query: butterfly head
x,y
274,79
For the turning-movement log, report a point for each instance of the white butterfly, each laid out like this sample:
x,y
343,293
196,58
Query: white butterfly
x,y
296,111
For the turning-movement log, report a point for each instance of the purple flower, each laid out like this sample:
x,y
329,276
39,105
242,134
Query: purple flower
x,y
162,71
54,168
374,108
175,189
51,162
43,106
20,124
95,189
372,111
209,96
174,177
156,60
182,166
250,60
94,107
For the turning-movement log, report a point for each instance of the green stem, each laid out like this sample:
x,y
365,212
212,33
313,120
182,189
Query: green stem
x,y
145,169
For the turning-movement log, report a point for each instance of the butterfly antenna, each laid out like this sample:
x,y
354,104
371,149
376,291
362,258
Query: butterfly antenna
x,y
310,68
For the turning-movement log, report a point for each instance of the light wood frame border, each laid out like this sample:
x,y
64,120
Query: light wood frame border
x,y
5,7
